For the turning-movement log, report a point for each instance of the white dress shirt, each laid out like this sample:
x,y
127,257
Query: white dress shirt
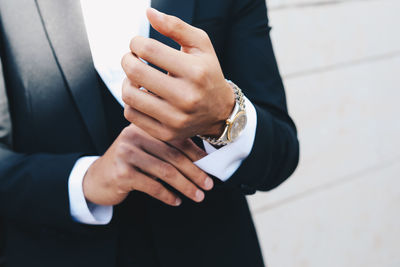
x,y
110,26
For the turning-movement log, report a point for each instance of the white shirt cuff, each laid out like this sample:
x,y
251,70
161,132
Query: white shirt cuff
x,y
81,210
222,163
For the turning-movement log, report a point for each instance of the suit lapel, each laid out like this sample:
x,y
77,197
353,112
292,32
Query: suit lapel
x,y
66,32
182,9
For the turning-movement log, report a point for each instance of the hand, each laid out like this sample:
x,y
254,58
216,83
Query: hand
x,y
136,160
193,98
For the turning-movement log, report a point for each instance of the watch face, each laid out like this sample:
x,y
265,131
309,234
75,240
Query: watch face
x,y
238,124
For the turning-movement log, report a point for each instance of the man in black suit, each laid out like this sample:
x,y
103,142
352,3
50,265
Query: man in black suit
x,y
167,212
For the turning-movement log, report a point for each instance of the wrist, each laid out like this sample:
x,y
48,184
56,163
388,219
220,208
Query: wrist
x,y
92,189
217,129
235,123
87,184
82,210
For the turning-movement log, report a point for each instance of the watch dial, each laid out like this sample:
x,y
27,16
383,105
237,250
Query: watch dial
x,y
238,125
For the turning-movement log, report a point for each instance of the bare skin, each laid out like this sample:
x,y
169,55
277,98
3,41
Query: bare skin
x,y
136,160
193,98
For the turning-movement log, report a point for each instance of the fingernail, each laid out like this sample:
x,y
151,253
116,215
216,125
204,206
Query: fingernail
x,y
199,195
178,202
208,184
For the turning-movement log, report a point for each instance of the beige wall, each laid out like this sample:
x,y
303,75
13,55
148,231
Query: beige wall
x,y
340,60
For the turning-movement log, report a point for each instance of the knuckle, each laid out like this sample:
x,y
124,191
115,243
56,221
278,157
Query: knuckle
x,y
147,47
122,190
168,172
192,101
133,43
182,122
127,94
126,132
125,60
168,135
133,68
123,149
121,185
200,76
130,132
121,173
157,190
175,25
125,82
132,152
126,98
204,38
128,114
203,35
175,22
135,134
199,73
142,46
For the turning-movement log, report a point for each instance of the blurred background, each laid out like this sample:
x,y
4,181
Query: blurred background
x,y
340,60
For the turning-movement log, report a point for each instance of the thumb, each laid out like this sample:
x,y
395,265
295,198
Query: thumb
x,y
178,30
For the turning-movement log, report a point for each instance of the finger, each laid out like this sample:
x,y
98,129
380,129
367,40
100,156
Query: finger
x,y
164,171
161,55
159,83
151,105
189,148
141,182
181,162
148,124
178,30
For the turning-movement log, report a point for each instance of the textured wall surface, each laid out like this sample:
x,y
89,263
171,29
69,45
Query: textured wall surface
x,y
340,60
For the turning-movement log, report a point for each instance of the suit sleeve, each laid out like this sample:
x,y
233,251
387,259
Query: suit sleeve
x,y
5,120
249,61
33,187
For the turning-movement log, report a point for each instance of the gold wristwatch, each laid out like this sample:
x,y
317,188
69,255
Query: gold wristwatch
x,y
236,122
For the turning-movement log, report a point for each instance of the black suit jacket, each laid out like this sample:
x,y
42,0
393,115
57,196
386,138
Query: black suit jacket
x,y
60,111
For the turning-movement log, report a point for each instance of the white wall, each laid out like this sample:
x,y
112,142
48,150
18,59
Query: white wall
x,y
340,60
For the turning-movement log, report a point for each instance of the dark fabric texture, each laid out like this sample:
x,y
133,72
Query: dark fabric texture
x,y
60,110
